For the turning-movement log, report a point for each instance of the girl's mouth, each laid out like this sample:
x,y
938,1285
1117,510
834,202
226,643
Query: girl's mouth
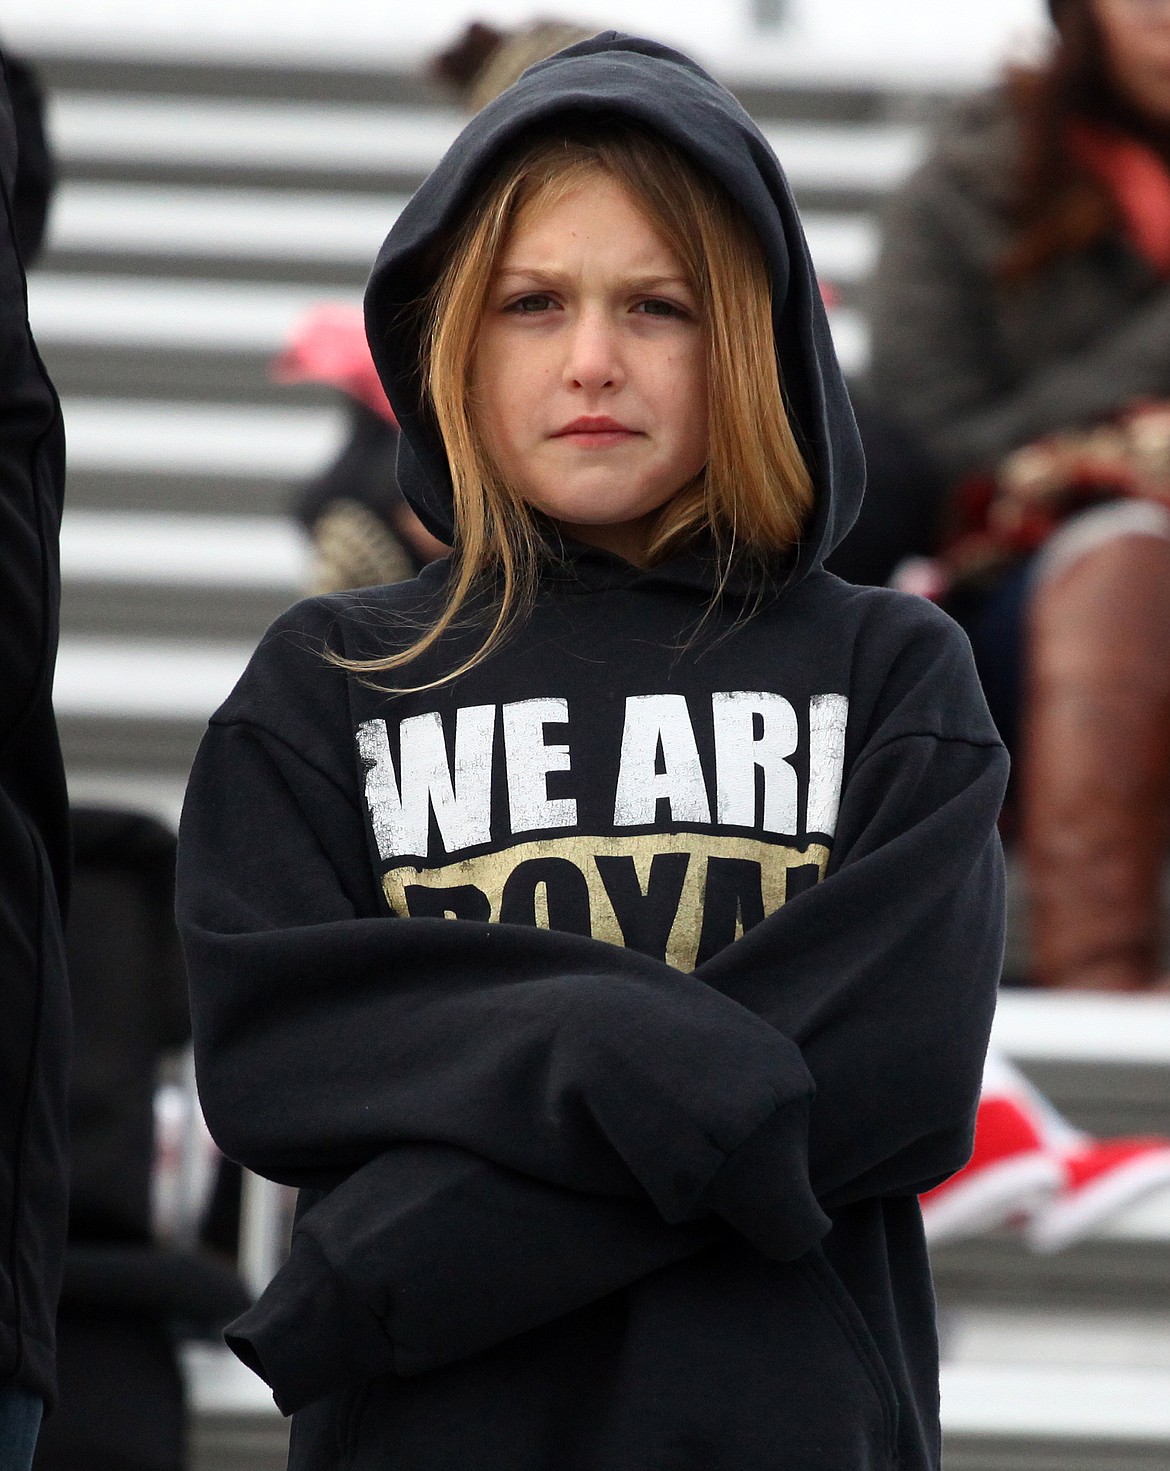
x,y
597,430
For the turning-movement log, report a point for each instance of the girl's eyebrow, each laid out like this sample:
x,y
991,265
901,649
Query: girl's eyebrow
x,y
549,276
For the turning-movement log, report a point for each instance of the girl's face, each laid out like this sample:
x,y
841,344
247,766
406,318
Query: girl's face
x,y
1136,37
590,376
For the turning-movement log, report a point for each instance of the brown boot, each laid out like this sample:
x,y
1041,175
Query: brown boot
x,y
1095,764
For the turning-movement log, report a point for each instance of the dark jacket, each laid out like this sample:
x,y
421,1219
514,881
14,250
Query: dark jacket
x,y
590,1183
36,173
975,367
129,998
34,833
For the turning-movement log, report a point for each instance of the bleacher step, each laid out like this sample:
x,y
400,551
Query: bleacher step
x,y
354,144
1111,1271
236,440
1104,1060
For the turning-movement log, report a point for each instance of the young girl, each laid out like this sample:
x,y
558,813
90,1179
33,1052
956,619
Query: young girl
x,y
603,928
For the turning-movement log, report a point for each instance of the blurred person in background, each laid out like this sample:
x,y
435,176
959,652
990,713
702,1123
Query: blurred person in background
x,y
34,825
485,60
1021,333
362,530
129,1295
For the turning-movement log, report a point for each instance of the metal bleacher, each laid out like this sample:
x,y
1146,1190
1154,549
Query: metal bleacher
x,y
202,208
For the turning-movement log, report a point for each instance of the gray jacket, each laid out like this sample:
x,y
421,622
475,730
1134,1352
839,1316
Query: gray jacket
x,y
976,368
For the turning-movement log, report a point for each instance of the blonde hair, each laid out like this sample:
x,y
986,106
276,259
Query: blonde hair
x,y
755,493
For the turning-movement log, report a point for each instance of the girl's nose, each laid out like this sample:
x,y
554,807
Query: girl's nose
x,y
594,354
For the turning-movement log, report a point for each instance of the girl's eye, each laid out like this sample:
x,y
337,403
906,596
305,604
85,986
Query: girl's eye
x,y
654,306
532,304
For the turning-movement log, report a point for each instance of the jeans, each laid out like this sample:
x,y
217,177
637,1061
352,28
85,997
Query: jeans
x,y
20,1419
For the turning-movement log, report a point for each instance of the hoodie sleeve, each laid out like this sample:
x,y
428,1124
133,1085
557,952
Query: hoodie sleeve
x,y
428,1255
326,1034
886,974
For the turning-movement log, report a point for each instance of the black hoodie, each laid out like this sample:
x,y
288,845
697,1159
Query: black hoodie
x,y
612,1003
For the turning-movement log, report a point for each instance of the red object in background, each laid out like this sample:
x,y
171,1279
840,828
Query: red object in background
x,y
1102,1177
329,345
1138,183
1011,1172
1060,1186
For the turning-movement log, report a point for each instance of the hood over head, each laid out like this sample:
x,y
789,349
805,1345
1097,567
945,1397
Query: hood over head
x,y
615,75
